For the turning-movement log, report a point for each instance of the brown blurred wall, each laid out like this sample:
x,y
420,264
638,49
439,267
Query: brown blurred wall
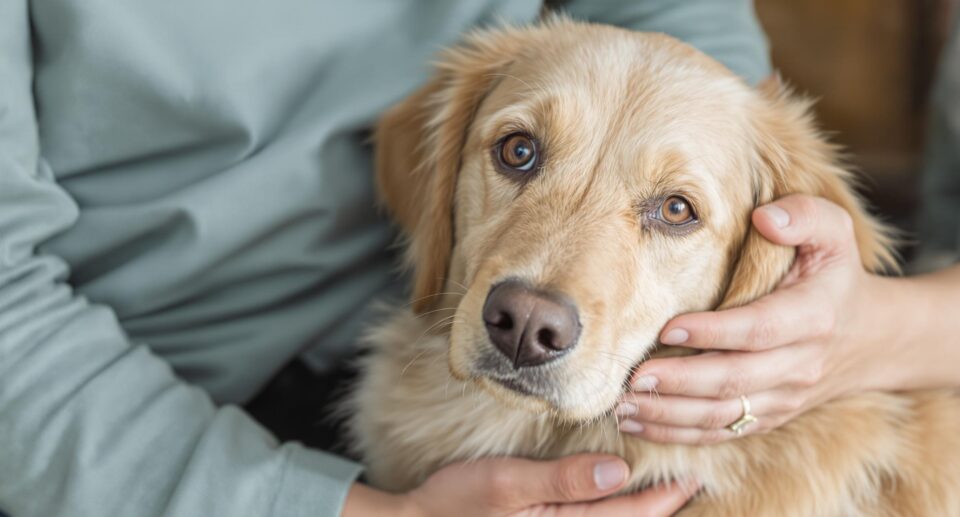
x,y
870,63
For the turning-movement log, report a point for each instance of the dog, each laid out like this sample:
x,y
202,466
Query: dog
x,y
588,183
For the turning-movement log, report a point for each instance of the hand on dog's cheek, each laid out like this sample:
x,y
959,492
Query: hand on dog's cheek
x,y
807,342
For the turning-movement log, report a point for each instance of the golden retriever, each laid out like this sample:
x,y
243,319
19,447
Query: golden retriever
x,y
582,184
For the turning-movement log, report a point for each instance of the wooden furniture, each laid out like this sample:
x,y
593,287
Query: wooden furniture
x,y
871,64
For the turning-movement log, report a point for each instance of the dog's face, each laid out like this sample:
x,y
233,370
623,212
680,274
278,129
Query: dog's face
x,y
570,188
597,197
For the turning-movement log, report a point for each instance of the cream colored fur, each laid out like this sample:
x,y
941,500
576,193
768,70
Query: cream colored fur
x,y
622,117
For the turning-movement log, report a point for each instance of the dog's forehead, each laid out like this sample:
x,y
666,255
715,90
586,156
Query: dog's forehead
x,y
648,87
635,99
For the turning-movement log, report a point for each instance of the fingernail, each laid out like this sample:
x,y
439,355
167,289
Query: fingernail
x,y
609,474
780,216
631,426
645,383
675,337
626,409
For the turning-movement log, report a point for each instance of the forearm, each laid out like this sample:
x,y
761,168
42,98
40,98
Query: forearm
x,y
919,328
91,424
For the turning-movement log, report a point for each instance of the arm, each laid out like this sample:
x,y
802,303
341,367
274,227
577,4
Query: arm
x,y
727,30
89,423
829,330
570,486
923,331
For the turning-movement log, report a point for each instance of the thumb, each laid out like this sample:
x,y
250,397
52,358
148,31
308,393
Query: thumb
x,y
799,220
582,477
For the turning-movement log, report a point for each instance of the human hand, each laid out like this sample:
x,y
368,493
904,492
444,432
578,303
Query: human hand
x,y
809,341
570,486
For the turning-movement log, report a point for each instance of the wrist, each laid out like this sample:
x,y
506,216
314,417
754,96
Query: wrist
x,y
901,309
363,501
408,506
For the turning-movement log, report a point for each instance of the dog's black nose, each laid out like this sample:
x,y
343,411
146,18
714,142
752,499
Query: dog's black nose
x,y
530,327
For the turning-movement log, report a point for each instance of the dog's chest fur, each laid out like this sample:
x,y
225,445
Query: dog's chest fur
x,y
855,456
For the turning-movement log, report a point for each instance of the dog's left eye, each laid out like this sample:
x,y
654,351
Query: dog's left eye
x,y
677,211
517,152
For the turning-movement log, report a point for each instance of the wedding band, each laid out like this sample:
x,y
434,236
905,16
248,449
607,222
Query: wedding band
x,y
745,420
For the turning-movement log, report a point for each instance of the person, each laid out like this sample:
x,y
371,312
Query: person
x,y
832,329
186,205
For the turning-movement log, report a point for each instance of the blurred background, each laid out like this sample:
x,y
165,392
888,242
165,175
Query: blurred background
x,y
871,64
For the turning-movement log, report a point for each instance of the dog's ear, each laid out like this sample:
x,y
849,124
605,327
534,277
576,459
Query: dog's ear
x,y
418,150
792,157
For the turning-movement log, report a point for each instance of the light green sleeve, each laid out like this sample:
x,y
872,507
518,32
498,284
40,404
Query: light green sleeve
x,y
91,424
727,30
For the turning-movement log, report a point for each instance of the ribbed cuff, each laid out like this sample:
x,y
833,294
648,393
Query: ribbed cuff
x,y
314,483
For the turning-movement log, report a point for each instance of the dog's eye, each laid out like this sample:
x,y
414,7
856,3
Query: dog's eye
x,y
518,152
676,210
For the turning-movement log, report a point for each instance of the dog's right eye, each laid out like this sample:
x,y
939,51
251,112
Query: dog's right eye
x,y
676,210
517,152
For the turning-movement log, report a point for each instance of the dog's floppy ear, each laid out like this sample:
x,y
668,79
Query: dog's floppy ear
x,y
792,157
419,143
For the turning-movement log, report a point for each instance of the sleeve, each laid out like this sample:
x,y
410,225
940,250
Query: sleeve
x,y
727,30
91,424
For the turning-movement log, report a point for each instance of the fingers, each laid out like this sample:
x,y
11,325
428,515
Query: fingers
x,y
638,409
783,317
648,409
805,220
728,375
694,436
582,477
659,501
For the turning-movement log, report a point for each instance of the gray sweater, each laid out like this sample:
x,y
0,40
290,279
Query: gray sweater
x,y
186,204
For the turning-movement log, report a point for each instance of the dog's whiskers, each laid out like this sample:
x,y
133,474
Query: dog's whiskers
x,y
433,295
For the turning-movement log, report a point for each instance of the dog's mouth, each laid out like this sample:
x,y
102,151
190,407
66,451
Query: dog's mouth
x,y
532,381
528,348
514,384
547,387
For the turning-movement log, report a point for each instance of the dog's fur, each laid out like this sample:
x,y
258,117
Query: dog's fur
x,y
624,119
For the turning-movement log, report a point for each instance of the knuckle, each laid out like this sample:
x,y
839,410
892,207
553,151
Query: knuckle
x,y
710,331
808,209
677,382
499,483
733,385
774,423
661,434
810,374
711,437
826,212
790,405
716,419
845,220
567,486
823,323
652,410
764,330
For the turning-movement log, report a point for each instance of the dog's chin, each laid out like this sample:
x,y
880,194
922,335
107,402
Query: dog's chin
x,y
537,394
515,397
541,389
509,395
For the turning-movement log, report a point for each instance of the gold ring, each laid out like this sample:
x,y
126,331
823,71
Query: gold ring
x,y
745,420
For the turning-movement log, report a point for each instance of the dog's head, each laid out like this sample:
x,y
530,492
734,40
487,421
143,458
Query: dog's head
x,y
568,188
